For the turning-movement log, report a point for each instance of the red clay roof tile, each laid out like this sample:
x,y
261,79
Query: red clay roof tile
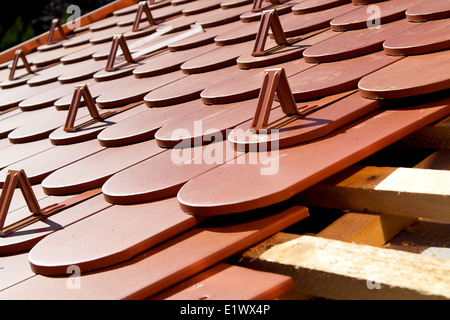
x,y
154,183
23,118
363,17
17,152
283,8
401,79
339,76
424,38
132,280
145,124
93,171
169,61
186,88
280,184
29,236
309,6
152,223
48,97
13,96
89,130
229,282
425,11
318,118
40,165
41,127
295,25
226,4
219,58
354,43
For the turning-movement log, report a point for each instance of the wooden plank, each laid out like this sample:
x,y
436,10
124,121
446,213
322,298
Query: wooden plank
x,y
435,136
340,270
425,236
410,192
375,229
366,228
438,160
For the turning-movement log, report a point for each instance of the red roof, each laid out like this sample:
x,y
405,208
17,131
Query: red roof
x,y
197,137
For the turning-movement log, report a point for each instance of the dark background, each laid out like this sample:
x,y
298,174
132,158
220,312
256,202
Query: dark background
x,y
21,20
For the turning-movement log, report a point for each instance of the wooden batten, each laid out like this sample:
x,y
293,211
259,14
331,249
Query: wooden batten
x,y
436,136
377,229
409,192
339,270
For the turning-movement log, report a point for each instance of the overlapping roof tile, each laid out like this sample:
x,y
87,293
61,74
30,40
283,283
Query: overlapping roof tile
x,y
190,159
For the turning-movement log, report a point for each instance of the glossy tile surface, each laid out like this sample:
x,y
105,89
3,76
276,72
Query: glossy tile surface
x,y
228,282
274,170
179,140
133,280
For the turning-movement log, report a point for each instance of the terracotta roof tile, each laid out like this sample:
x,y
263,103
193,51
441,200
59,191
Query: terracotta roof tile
x,y
355,43
145,124
425,37
40,165
229,282
30,235
334,77
283,8
170,61
227,4
309,6
23,118
84,53
386,11
294,24
17,152
164,220
179,167
174,176
92,171
49,97
89,130
398,80
246,196
131,279
426,12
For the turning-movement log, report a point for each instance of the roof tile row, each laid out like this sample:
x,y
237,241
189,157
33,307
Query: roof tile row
x,y
187,93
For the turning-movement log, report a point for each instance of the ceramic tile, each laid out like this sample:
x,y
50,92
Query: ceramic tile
x,y
176,145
